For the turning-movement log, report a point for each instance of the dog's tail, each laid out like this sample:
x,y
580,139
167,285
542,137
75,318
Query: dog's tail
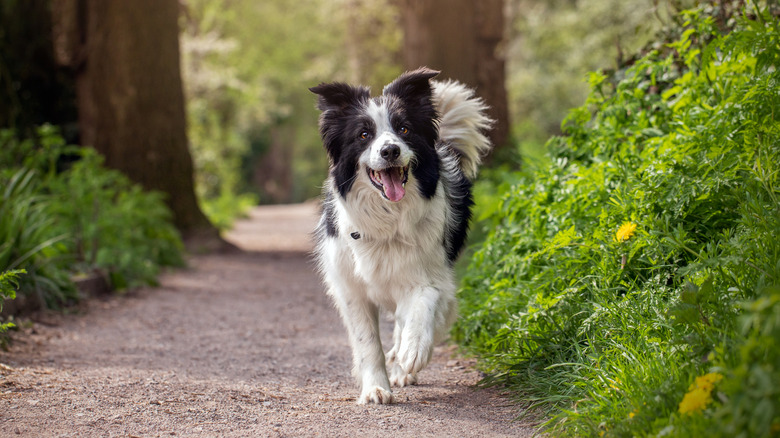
x,y
463,123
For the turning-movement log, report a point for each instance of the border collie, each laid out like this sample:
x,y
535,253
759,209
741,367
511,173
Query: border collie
x,y
395,215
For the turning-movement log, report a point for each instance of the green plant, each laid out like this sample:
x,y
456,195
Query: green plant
x,y
114,224
608,331
9,282
63,213
28,240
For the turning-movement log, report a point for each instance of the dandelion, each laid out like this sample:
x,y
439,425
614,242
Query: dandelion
x,y
707,381
694,401
699,394
625,232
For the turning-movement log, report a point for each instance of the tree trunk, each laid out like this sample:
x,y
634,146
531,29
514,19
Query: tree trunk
x,y
130,98
34,90
463,39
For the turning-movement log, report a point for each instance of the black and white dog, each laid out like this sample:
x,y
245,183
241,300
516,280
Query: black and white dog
x,y
395,215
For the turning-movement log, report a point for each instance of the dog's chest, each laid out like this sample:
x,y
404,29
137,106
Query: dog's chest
x,y
396,246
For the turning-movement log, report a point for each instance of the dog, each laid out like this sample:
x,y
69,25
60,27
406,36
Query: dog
x,y
395,213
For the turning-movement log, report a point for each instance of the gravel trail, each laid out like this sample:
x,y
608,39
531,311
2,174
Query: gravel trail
x,y
236,345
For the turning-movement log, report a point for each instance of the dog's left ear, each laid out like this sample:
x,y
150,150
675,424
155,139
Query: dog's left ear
x,y
413,86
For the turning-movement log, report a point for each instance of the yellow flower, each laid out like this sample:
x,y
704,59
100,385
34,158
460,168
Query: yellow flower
x,y
707,381
694,401
698,396
625,231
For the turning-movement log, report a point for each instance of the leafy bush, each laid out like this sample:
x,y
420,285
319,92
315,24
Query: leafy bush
x,y
632,285
29,240
113,224
63,213
8,284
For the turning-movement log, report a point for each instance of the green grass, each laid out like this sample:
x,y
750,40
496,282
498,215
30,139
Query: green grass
x,y
607,335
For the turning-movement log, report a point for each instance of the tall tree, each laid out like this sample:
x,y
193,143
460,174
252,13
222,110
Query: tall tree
x,y
463,39
130,99
33,89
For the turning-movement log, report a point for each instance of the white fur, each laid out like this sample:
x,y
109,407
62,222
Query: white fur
x,y
399,262
463,123
385,135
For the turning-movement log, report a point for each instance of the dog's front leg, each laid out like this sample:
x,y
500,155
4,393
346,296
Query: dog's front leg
x,y
416,321
398,376
361,317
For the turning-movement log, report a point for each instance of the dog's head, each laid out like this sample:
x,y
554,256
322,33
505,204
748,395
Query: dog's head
x,y
383,141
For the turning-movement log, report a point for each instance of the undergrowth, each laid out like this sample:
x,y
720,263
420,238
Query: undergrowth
x,y
62,214
9,282
632,284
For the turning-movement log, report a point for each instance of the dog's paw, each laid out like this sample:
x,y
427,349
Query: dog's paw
x,y
400,378
377,395
414,354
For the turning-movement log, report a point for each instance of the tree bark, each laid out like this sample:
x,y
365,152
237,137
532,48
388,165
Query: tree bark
x,y
130,97
463,39
34,89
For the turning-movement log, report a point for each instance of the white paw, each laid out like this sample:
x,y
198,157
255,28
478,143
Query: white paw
x,y
399,378
377,395
414,353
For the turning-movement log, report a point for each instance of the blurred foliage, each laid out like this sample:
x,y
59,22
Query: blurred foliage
x,y
9,282
552,45
630,283
62,213
247,68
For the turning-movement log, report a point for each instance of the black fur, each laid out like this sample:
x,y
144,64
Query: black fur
x,y
460,199
408,99
341,123
409,103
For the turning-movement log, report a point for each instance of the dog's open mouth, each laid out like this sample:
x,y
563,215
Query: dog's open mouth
x,y
391,181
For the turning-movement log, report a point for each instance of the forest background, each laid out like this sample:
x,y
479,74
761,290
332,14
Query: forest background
x,y
247,66
247,70
623,274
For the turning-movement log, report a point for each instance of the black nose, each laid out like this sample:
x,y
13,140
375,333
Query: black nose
x,y
390,152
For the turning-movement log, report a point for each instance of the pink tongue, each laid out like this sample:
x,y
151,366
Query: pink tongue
x,y
393,184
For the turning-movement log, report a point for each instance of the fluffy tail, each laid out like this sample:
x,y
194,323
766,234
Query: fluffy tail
x,y
463,123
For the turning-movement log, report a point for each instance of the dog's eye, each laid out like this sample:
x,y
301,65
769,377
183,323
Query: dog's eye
x,y
403,130
364,135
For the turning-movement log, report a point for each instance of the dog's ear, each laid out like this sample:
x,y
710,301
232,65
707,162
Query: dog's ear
x,y
414,90
337,95
338,103
412,86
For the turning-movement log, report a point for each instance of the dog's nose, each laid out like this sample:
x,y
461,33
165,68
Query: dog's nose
x,y
390,152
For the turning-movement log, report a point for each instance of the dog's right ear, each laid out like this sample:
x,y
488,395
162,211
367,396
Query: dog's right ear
x,y
337,95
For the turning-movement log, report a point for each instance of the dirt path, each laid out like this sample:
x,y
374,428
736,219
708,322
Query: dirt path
x,y
237,345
